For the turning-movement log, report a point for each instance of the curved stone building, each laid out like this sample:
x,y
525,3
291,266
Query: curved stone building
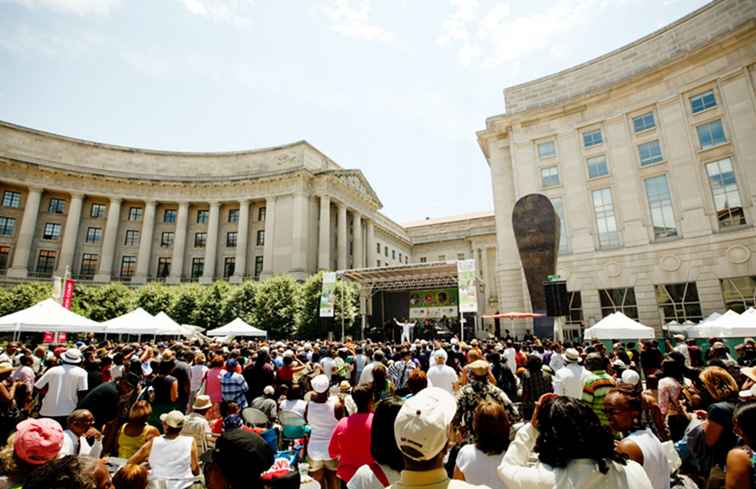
x,y
649,155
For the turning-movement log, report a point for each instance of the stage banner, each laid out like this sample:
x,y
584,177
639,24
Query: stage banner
x,y
468,295
328,295
433,304
68,292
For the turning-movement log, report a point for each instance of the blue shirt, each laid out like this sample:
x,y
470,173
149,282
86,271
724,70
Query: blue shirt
x,y
233,388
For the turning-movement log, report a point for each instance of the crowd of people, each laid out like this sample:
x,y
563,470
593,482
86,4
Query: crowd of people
x,y
500,413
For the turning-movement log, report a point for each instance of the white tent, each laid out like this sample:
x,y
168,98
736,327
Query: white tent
x,y
168,326
743,326
237,327
136,322
620,327
675,327
47,315
716,327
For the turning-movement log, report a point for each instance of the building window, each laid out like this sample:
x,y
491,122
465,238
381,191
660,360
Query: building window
x,y
460,256
564,242
441,257
88,265
12,199
200,240
393,254
132,238
166,239
229,264
406,260
46,262
57,206
739,293
597,167
93,235
233,215
97,211
679,302
4,257
574,323
261,214
546,150
128,266
7,226
135,213
660,207
198,267
644,122
706,100
423,259
711,134
258,266
163,267
592,138
622,300
724,190
202,216
169,216
378,263
51,231
231,239
260,237
603,207
550,176
650,153
400,257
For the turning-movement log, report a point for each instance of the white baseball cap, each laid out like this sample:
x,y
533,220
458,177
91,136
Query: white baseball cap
x,y
320,383
422,425
630,377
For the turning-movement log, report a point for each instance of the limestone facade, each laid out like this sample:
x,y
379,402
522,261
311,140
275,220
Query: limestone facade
x,y
649,155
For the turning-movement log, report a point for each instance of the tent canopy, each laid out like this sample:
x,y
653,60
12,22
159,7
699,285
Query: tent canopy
x,y
617,326
237,327
716,327
136,322
47,315
168,326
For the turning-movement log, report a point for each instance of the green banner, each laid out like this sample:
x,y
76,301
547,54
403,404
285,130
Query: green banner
x,y
433,303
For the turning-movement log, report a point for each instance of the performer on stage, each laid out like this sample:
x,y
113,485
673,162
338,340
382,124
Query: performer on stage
x,y
406,330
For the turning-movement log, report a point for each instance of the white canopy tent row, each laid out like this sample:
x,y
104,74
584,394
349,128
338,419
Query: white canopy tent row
x,y
617,326
237,327
44,316
137,322
728,325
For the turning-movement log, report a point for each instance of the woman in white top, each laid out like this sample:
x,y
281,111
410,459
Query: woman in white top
x,y
478,463
573,449
623,407
293,401
388,459
173,458
322,413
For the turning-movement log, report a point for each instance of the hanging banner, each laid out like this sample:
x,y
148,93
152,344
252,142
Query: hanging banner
x,y
68,292
57,292
468,294
433,304
328,295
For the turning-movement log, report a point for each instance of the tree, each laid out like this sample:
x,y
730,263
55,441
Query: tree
x,y
107,301
276,303
241,302
347,306
27,294
309,323
211,310
154,297
185,302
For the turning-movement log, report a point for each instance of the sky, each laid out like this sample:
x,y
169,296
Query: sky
x,y
395,88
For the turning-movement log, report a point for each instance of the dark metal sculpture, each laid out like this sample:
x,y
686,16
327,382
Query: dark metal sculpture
x,y
536,229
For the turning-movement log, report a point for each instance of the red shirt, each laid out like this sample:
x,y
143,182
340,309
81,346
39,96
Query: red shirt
x,y
350,444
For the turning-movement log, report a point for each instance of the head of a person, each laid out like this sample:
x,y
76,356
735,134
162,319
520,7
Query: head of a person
x,y
672,368
216,362
294,392
379,377
568,430
140,412
378,356
744,421
173,422
594,362
383,445
478,370
202,404
199,358
127,383
70,472
439,357
131,476
491,426
623,407
227,408
269,391
421,428
236,461
719,384
80,421
652,382
37,441
362,395
534,363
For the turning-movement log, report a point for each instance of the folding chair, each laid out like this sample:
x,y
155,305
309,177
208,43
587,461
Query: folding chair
x,y
255,417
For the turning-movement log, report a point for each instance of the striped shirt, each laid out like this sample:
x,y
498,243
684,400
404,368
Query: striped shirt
x,y
234,388
595,388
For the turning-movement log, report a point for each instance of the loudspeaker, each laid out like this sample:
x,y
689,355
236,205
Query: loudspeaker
x,y
557,299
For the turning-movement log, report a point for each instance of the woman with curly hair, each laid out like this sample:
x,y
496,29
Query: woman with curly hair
x,y
574,450
719,436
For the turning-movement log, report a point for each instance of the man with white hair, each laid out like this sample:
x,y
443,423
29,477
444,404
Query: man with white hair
x,y
568,380
441,375
267,403
367,373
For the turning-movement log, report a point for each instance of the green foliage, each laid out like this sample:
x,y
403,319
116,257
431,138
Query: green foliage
x,y
309,324
241,303
212,311
108,301
27,294
276,305
185,303
154,297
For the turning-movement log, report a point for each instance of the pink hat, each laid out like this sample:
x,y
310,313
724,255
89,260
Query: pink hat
x,y
38,440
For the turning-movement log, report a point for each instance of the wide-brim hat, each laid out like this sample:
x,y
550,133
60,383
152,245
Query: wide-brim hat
x,y
749,372
202,402
5,367
174,419
748,393
72,355
479,367
679,337
571,355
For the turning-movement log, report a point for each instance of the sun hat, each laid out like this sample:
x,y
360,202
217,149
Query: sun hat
x,y
320,383
269,390
422,425
5,367
679,337
630,377
72,356
168,356
202,402
345,386
748,393
571,355
38,440
174,419
479,367
749,372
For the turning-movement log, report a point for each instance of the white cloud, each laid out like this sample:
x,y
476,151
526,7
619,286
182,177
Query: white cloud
x,y
236,12
351,18
78,7
495,36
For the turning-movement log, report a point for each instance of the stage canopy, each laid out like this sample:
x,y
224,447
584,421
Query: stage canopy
x,y
617,326
237,327
47,315
404,277
136,322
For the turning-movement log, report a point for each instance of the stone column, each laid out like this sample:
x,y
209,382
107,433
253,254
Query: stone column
x,y
299,237
242,237
357,245
370,243
179,244
145,243
20,266
485,275
324,237
341,237
109,241
70,233
270,231
211,247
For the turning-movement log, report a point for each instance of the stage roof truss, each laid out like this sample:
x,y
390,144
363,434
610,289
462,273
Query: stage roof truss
x,y
405,277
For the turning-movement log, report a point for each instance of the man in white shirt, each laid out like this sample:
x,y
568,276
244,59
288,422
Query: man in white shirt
x,y
406,330
367,373
65,383
568,380
81,427
556,361
442,375
511,355
682,347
